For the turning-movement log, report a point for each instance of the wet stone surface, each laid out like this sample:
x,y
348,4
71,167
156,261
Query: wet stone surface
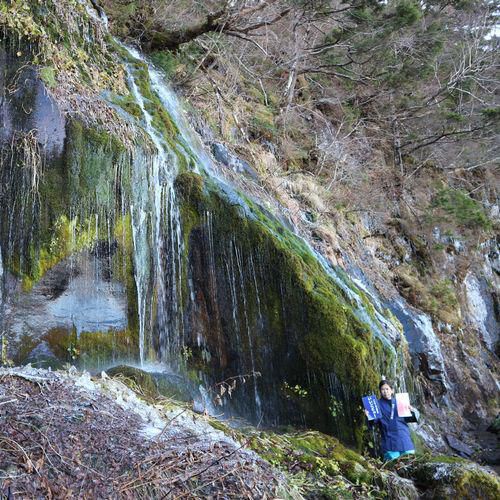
x,y
73,295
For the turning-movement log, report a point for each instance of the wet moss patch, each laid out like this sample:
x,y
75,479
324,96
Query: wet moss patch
x,y
269,305
318,464
92,350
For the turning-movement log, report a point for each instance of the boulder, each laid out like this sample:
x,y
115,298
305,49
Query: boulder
x,y
449,477
456,445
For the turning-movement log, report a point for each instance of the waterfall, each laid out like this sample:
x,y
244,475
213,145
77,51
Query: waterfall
x,y
157,237
165,250
211,290
243,293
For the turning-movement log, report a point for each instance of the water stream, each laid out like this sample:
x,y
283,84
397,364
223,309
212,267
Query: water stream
x,y
158,248
213,291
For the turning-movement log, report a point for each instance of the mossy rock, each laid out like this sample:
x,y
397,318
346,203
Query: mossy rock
x,y
292,305
451,477
315,452
154,384
320,466
88,350
190,186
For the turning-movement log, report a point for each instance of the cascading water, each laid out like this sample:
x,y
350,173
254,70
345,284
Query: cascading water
x,y
242,284
157,237
218,284
159,250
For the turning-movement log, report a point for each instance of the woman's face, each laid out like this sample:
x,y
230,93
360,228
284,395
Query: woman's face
x,y
386,391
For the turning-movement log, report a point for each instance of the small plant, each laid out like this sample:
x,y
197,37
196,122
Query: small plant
x,y
444,292
73,351
460,208
336,408
294,391
186,353
229,385
5,360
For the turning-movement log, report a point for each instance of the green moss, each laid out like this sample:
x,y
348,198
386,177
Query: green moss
x,y
478,484
444,291
446,459
66,237
96,349
321,455
92,350
48,75
160,118
451,477
163,121
123,266
190,187
83,183
68,42
166,61
128,104
218,425
296,298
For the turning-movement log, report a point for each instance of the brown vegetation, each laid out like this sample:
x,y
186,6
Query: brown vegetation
x,y
59,441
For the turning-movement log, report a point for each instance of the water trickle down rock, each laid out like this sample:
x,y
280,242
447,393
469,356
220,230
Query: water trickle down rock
x,y
260,298
239,166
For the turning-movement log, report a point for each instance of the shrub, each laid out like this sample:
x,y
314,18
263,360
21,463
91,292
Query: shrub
x,y
460,208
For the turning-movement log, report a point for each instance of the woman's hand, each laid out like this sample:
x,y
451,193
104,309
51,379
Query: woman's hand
x,y
367,414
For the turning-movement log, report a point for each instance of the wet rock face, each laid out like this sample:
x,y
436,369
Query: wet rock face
x,y
482,306
262,312
74,295
234,328
62,275
26,105
32,137
424,344
228,159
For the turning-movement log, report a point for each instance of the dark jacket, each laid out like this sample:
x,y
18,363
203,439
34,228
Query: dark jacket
x,y
395,431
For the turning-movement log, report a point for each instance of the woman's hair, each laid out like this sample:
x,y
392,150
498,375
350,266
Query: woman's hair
x,y
384,382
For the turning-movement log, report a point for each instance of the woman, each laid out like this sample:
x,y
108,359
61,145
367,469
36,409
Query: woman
x,y
396,439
